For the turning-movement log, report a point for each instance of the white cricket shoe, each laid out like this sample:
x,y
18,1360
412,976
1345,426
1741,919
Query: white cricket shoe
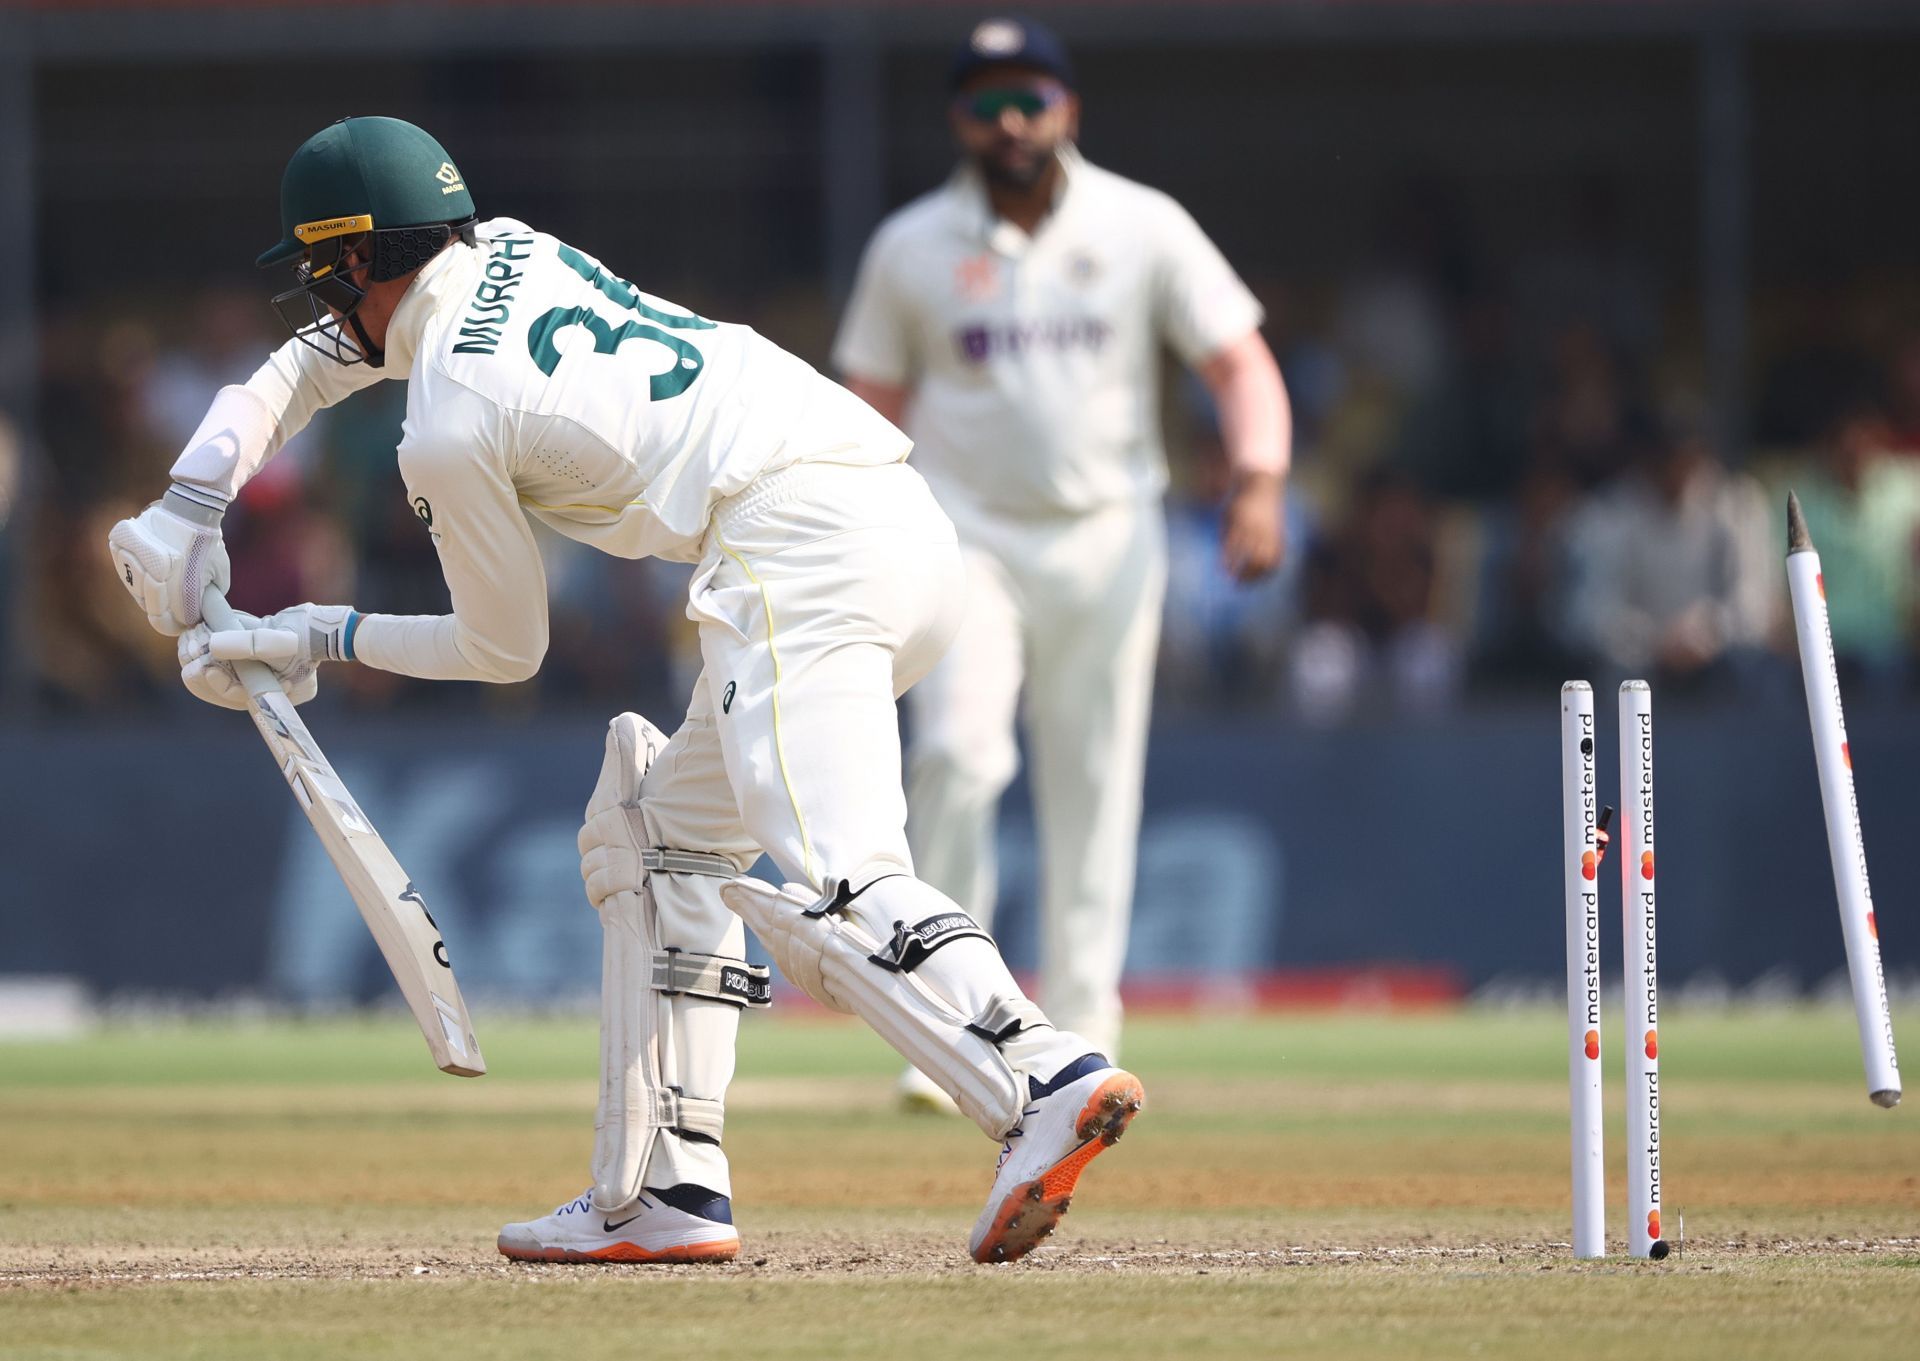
x,y
919,1094
1069,1122
646,1230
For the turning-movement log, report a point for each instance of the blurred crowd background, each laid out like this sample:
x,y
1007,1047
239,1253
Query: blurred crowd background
x,y
1566,298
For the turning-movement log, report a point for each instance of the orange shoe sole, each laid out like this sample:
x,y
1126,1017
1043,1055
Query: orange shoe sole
x,y
632,1252
1033,1209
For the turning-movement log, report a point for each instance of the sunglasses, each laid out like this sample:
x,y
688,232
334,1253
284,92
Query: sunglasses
x,y
986,106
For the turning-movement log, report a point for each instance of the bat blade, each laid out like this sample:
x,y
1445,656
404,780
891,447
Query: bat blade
x,y
394,910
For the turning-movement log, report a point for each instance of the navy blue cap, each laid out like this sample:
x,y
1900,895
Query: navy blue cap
x,y
1012,42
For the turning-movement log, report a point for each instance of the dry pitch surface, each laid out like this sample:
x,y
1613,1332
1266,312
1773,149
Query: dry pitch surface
x,y
1369,1186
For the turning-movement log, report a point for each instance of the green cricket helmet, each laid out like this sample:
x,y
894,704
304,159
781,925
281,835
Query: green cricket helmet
x,y
377,183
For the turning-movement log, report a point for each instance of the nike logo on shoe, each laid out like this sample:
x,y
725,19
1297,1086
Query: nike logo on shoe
x,y
608,1226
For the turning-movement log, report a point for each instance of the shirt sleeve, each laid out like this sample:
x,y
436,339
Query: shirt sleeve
x,y
246,425
1202,304
460,484
876,334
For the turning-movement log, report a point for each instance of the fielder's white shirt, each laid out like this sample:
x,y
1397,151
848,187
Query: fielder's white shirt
x,y
542,386
1034,360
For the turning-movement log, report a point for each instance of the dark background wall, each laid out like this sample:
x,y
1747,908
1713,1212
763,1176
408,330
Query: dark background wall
x,y
174,861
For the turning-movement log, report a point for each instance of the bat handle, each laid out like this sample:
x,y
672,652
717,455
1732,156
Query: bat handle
x,y
258,677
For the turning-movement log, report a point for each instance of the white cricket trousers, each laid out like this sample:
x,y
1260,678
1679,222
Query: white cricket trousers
x,y
824,592
1069,608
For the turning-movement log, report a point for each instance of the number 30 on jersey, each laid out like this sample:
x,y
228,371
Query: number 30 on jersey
x,y
608,338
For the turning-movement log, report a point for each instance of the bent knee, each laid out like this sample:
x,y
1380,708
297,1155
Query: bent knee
x,y
939,765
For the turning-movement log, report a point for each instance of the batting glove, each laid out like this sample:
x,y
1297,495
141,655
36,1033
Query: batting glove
x,y
293,643
216,682
167,554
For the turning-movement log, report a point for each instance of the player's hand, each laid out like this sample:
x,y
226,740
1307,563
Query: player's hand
x,y
1254,535
166,555
293,643
1692,640
208,678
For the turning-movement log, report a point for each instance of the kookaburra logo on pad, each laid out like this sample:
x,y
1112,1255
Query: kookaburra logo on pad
x,y
912,944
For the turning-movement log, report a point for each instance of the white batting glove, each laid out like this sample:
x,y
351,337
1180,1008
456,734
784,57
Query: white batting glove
x,y
167,554
207,678
293,643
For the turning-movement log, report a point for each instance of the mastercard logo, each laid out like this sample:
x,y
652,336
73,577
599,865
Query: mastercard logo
x,y
1653,1052
1820,581
1646,864
1587,863
1653,1223
1873,926
1593,1044
1846,754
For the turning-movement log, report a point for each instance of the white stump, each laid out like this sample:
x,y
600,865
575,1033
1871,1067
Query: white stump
x,y
1845,845
1639,970
1581,853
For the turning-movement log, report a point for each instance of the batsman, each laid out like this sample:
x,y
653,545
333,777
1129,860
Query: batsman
x,y
544,387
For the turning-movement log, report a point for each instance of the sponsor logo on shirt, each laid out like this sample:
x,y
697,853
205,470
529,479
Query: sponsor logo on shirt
x,y
981,342
424,509
977,279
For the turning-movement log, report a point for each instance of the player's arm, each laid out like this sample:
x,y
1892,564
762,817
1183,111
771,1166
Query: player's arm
x,y
498,629
462,490
1256,428
460,484
874,350
889,399
1213,321
168,554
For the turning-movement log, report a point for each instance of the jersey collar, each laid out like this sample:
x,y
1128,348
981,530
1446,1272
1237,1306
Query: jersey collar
x,y
441,282
973,211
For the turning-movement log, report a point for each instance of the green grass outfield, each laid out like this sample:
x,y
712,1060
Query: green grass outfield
x,y
1391,1186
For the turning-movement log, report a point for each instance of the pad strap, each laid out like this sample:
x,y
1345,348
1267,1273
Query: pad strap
x,y
688,1115
660,860
912,944
717,977
1005,1018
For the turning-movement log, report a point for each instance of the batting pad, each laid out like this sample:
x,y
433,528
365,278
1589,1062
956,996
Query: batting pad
x,y
672,984
936,990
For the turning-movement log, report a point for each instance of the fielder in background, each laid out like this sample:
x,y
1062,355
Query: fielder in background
x,y
543,387
1012,321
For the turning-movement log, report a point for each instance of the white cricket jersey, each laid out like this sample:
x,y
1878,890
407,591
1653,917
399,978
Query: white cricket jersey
x,y
542,385
1033,362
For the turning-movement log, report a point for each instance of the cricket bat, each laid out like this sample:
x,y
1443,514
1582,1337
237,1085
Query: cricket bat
x,y
392,908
